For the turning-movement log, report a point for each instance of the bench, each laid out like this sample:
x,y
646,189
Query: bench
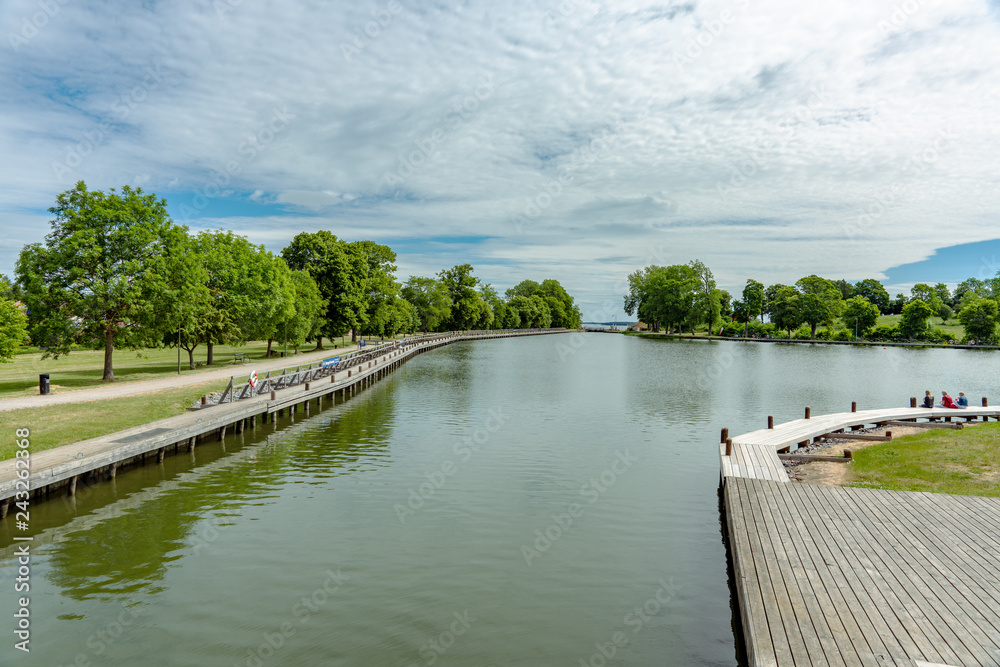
x,y
240,358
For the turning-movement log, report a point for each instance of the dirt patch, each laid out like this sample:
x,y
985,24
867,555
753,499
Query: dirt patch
x,y
835,474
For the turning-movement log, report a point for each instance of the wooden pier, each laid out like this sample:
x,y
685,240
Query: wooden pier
x,y
99,459
843,576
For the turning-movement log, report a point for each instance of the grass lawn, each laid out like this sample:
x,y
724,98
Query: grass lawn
x,y
58,425
83,368
954,327
965,462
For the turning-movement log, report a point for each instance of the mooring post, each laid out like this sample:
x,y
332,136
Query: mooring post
x,y
204,399
725,434
3,508
986,403
729,446
222,433
159,455
113,471
72,487
807,412
307,386
847,454
770,421
854,406
913,401
888,434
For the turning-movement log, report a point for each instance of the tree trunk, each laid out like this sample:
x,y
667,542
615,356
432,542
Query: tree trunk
x,y
211,356
109,350
813,331
268,354
319,342
191,359
354,336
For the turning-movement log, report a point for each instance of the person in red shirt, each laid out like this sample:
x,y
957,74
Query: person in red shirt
x,y
947,401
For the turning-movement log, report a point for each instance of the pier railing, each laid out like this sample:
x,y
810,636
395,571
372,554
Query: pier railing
x,y
289,378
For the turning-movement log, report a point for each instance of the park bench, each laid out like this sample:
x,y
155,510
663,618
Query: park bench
x,y
240,358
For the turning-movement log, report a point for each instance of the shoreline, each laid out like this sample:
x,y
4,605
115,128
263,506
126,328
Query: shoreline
x,y
860,343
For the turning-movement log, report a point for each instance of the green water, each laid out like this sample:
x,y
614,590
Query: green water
x,y
536,501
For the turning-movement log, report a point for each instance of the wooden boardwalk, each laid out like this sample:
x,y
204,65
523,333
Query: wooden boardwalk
x,y
841,576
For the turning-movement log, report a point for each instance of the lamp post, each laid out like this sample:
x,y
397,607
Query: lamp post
x,y
286,339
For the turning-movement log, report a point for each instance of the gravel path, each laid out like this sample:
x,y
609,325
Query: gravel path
x,y
117,390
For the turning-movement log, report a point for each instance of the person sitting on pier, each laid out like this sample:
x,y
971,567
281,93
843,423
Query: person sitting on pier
x,y
963,402
947,401
928,400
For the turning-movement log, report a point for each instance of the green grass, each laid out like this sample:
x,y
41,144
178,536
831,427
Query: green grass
x,y
84,368
954,327
965,462
57,425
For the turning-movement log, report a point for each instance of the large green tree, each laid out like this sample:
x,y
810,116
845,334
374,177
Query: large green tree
x,y
821,302
102,277
305,321
860,315
430,298
786,309
13,329
467,305
980,320
873,290
913,323
339,273
753,299
250,289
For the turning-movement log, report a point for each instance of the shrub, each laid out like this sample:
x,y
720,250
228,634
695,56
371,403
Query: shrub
x,y
884,333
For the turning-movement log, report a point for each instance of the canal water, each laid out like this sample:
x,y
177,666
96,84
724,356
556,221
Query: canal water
x,y
531,501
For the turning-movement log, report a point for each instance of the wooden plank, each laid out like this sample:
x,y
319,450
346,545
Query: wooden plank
x,y
813,621
860,579
912,601
806,458
760,648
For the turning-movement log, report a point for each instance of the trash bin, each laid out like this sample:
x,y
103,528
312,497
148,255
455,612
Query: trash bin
x,y
43,384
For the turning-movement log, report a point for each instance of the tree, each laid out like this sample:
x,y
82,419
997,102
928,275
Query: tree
x,y
374,268
467,306
770,296
305,320
821,301
706,304
430,298
860,314
250,289
639,300
13,329
913,323
526,310
102,276
786,309
742,314
979,287
846,289
898,303
873,290
980,320
338,274
753,299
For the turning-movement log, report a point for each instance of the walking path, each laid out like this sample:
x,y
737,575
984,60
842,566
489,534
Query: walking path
x,y
117,390
845,576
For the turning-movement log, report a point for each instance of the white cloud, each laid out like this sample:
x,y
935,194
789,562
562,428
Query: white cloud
x,y
768,139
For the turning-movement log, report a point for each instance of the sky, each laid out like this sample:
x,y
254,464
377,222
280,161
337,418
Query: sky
x,y
571,139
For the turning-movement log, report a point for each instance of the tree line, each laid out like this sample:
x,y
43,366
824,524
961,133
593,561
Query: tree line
x,y
685,296
116,272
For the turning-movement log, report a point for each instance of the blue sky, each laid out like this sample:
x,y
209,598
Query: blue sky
x,y
571,139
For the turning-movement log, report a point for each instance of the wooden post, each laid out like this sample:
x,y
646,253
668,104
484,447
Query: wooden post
x,y
986,403
222,433
204,399
913,401
725,434
854,406
729,446
770,421
307,386
333,377
807,412
888,434
194,441
3,508
847,454
253,422
72,487
113,471
274,395
159,455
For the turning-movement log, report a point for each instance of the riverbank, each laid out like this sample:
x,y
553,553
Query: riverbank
x,y
860,343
